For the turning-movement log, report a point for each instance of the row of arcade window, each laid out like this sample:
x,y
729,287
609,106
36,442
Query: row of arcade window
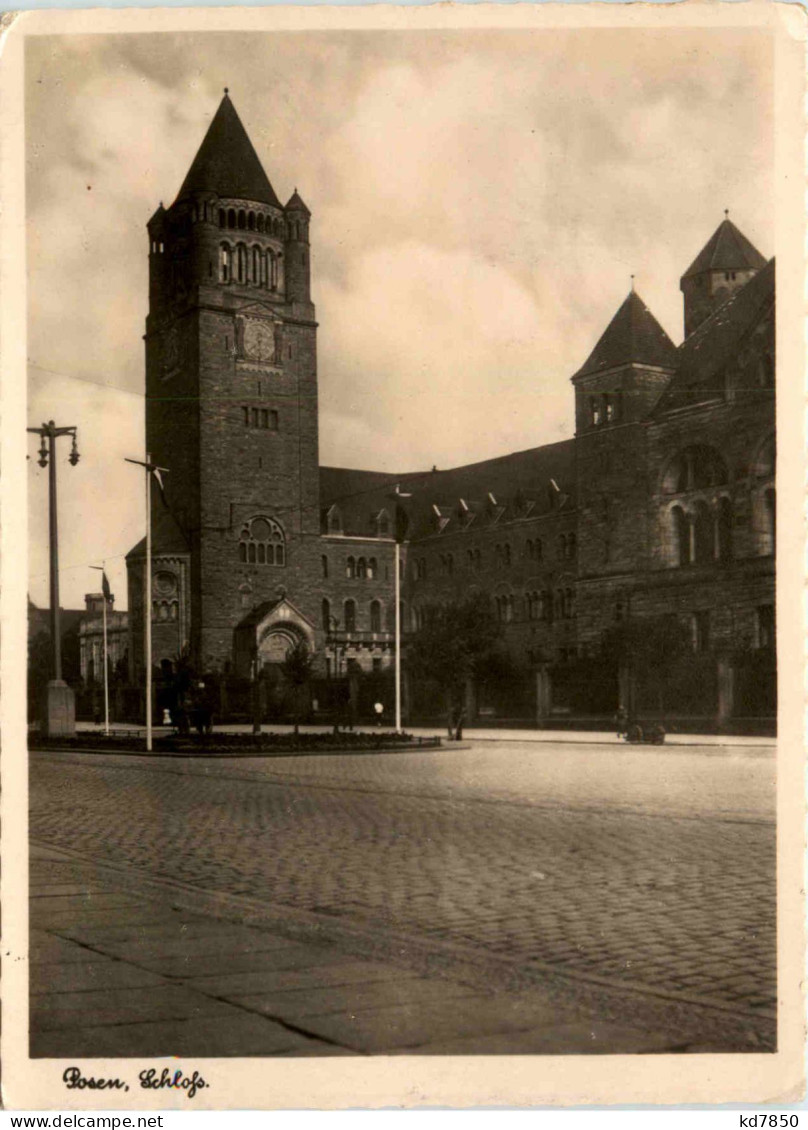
x,y
163,610
261,542
349,617
547,606
266,418
251,266
359,568
250,221
565,551
702,533
604,409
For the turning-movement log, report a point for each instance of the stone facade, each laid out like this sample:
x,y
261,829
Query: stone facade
x,y
661,505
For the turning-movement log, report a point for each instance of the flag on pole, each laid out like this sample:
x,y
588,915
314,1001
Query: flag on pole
x,y
105,586
159,480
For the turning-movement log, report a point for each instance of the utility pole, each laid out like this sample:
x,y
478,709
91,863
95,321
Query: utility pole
x,y
60,707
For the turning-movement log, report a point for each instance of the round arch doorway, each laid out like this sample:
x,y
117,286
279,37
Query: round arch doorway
x,y
272,650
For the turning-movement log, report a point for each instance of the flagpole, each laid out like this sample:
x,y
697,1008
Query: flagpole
x,y
398,638
106,663
147,617
150,469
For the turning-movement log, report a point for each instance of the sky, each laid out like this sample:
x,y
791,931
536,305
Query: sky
x,y
480,201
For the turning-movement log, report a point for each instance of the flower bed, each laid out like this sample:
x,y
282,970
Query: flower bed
x,y
235,745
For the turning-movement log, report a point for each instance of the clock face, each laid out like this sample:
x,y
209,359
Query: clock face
x,y
259,340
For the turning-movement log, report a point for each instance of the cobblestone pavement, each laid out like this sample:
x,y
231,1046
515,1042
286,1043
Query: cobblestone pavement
x,y
480,850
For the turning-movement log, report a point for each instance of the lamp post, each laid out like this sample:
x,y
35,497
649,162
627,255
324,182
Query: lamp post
x,y
60,706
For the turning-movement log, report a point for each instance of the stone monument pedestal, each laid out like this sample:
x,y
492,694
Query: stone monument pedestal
x,y
60,710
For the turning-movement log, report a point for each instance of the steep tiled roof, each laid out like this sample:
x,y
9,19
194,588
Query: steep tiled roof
x,y
704,353
295,204
727,250
525,473
362,494
633,335
226,162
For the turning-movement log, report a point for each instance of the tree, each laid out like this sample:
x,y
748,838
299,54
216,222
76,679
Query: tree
x,y
457,642
297,672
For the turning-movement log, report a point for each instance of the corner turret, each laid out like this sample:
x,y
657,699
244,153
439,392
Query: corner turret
x,y
725,263
298,259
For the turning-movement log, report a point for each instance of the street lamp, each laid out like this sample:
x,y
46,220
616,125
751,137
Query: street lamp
x,y
60,706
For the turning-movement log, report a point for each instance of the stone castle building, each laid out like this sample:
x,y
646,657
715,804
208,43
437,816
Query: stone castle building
x,y
661,507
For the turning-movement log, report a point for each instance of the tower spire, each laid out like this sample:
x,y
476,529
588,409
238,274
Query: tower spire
x,y
226,162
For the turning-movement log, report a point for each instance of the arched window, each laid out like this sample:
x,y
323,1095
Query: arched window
x,y
242,220
324,562
326,615
375,616
723,530
251,221
506,552
256,265
350,615
681,537
372,568
334,520
231,218
361,569
260,222
262,542
703,537
224,263
272,271
383,524
241,263
350,568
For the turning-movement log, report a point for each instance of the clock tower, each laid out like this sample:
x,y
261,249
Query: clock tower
x,y
231,411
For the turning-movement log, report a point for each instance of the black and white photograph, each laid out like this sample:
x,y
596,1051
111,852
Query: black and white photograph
x,y
398,451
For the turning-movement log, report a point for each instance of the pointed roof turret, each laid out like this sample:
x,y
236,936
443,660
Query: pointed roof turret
x,y
227,163
633,335
728,249
295,204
